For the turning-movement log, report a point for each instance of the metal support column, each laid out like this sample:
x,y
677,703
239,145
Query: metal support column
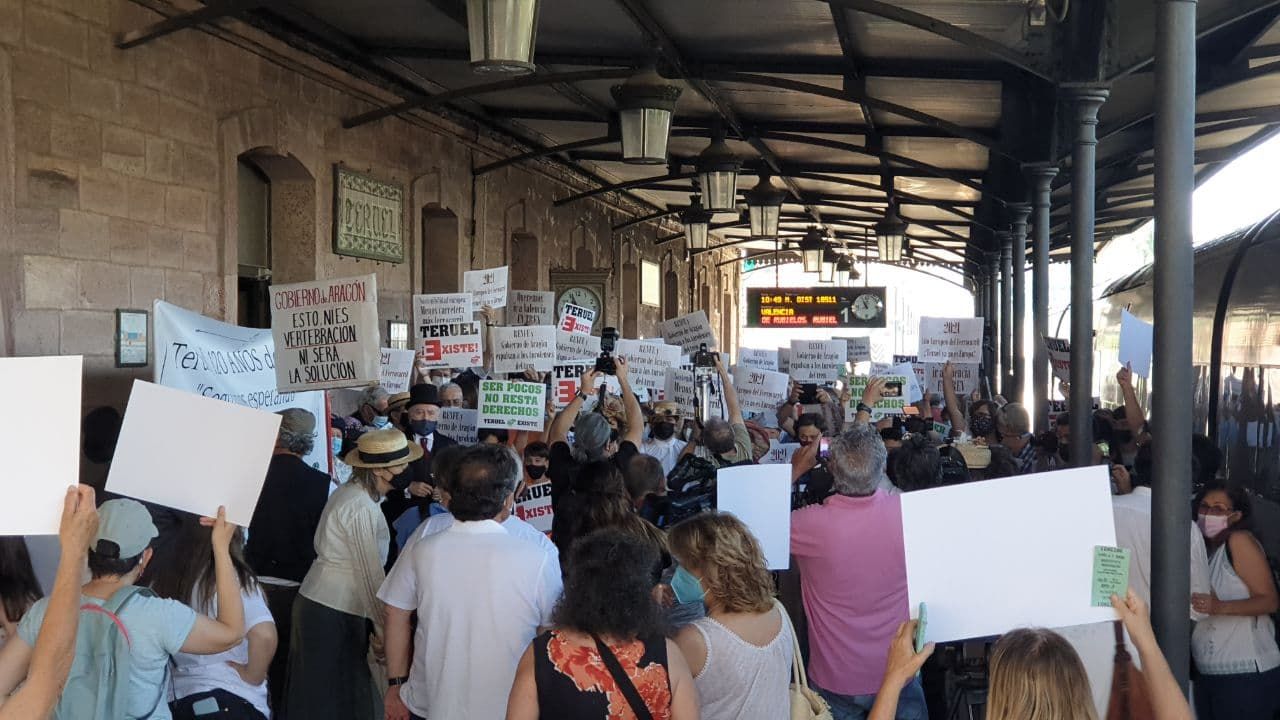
x,y
1087,99
984,311
1041,176
1018,373
1174,275
1006,313
993,312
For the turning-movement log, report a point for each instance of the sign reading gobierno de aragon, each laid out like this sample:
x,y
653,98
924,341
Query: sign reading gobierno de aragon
x,y
326,333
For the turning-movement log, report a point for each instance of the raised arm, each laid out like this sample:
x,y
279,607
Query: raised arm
x,y
559,430
486,313
211,636
949,397
1133,414
903,664
635,414
871,394
730,394
1167,701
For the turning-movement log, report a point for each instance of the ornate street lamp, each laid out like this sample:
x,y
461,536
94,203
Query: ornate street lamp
x,y
645,103
717,168
827,273
502,34
844,269
811,248
697,222
764,206
891,235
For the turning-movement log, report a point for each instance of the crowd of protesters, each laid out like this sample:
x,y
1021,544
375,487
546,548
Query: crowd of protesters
x,y
403,582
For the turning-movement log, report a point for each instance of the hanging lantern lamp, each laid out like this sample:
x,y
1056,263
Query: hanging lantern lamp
x,y
502,34
645,104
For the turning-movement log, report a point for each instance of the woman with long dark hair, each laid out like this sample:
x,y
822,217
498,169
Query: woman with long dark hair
x,y
235,680
607,655
19,589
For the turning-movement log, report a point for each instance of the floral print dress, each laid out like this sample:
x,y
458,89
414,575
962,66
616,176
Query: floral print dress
x,y
574,684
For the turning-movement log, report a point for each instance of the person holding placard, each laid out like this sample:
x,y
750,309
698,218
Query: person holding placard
x,y
591,432
723,442
740,654
329,676
980,423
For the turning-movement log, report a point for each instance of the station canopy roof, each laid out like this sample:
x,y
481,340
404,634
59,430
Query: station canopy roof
x,y
937,102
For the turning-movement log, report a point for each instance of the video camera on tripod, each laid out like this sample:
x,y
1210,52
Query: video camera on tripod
x,y
704,373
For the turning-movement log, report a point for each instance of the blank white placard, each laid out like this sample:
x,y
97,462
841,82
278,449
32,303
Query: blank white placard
x,y
991,556
39,441
192,453
760,496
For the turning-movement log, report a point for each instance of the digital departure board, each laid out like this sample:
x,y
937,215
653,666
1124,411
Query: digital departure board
x,y
833,307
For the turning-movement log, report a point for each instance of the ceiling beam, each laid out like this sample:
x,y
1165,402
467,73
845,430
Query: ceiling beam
x,y
1134,58
214,10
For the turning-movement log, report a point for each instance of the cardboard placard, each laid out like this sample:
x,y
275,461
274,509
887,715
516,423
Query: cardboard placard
x,y
576,319
326,333
914,372
534,506
516,349
151,445
760,496
572,346
40,440
1059,358
648,361
459,424
758,359
531,307
1136,339
218,360
859,349
396,368
441,309
565,382
512,404
453,345
487,287
689,332
817,361
956,339
759,391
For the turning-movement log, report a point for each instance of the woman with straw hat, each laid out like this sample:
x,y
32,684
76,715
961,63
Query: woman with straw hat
x,y
329,674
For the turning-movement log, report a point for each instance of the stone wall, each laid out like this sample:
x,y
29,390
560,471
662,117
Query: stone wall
x,y
117,183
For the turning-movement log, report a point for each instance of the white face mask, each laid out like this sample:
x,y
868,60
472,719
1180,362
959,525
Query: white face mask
x,y
439,381
1212,525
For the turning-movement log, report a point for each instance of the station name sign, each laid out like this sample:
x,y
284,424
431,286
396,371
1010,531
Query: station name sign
x,y
820,307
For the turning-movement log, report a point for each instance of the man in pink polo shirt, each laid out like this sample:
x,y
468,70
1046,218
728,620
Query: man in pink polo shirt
x,y
853,576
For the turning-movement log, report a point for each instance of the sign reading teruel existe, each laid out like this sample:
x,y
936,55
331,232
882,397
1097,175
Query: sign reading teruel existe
x,y
833,307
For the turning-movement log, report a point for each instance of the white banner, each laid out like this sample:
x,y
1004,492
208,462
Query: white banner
x,y
531,307
956,339
512,405
758,359
1136,338
859,349
689,332
648,361
759,391
440,309
516,349
455,345
397,367
326,333
458,424
817,361
41,443
779,453
965,376
214,359
487,287
576,319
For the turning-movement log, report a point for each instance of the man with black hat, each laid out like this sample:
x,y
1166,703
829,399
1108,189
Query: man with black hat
x,y
422,412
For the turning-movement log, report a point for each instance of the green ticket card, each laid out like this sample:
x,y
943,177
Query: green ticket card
x,y
1110,574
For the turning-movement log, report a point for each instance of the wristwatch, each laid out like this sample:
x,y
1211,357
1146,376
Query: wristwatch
x,y
583,394
392,682
864,408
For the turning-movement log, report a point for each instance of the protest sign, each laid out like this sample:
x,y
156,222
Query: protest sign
x,y
40,441
965,376
1058,407
648,361
760,496
886,406
689,332
914,372
396,368
1058,519
218,360
759,391
326,333
817,361
1059,358
531,307
572,346
576,319
859,349
453,345
1110,574
679,388
458,424
534,506
440,309
152,445
487,287
956,339
758,359
512,405
779,453
516,349
1136,339
565,382
784,360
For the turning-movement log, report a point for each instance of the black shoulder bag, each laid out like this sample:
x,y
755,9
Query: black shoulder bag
x,y
623,682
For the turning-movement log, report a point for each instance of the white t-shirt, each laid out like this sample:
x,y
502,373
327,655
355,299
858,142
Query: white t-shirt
x,y
157,629
518,528
481,594
666,451
197,673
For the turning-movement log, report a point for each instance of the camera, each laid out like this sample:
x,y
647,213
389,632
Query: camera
x,y
608,343
704,359
704,372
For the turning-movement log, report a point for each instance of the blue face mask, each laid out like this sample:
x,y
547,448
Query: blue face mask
x,y
687,588
381,422
423,427
336,444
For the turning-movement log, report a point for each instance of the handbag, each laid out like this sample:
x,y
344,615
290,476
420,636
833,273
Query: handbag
x,y
623,682
806,703
1128,699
